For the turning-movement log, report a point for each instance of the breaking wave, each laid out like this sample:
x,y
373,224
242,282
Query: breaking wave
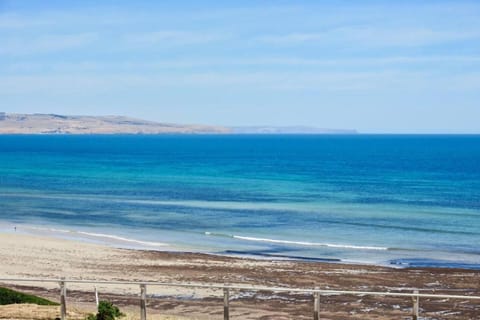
x,y
298,243
100,235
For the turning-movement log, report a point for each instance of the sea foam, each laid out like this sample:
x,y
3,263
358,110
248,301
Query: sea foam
x,y
100,235
298,243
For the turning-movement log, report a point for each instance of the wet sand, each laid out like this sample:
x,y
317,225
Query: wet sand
x,y
24,256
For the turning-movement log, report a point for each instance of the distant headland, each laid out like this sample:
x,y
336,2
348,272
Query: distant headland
x,y
289,130
15,123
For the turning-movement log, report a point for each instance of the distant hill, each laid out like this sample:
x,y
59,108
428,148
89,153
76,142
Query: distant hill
x,y
12,123
15,123
289,130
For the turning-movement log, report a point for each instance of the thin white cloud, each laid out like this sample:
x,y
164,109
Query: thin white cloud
x,y
407,36
369,36
101,16
15,21
293,38
172,37
46,43
232,64
341,82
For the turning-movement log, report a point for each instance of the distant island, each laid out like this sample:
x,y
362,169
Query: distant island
x,y
15,123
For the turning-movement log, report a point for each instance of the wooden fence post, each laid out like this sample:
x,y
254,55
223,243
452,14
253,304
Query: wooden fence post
x,y
415,308
226,311
316,306
143,302
63,300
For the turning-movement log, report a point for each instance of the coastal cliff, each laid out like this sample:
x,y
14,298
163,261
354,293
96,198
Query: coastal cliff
x,y
13,123
39,123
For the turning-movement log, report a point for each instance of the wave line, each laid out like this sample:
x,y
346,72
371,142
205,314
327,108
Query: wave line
x,y
101,235
301,243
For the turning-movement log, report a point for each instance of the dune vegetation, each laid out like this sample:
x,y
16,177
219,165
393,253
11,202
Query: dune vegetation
x,y
9,296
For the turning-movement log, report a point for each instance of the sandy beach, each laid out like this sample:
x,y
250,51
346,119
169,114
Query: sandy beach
x,y
25,256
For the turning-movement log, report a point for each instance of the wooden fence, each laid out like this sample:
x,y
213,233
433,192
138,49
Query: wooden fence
x,y
415,295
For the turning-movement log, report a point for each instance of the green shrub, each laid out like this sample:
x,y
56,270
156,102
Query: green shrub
x,y
8,296
106,311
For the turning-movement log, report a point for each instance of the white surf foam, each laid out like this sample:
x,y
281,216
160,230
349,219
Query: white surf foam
x,y
100,235
300,243
313,244
114,237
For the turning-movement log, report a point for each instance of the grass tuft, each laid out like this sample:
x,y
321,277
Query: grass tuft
x,y
8,296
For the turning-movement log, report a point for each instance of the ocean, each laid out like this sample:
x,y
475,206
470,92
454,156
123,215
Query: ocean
x,y
395,200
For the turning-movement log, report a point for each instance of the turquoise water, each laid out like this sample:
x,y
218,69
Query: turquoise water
x,y
386,199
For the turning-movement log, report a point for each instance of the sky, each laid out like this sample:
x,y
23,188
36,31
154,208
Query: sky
x,y
373,66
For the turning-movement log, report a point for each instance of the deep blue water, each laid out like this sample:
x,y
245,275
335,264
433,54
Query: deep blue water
x,y
383,199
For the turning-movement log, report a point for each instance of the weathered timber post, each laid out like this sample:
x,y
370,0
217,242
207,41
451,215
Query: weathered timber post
x,y
226,311
415,309
143,302
96,296
316,305
63,300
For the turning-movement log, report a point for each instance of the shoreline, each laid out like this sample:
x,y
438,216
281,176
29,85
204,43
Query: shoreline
x,y
122,242
42,257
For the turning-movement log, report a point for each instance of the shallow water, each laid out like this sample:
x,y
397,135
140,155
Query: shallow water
x,y
399,200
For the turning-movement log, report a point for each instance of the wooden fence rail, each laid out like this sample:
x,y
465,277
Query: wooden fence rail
x,y
415,295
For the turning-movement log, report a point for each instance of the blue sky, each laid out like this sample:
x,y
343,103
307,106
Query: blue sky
x,y
374,66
